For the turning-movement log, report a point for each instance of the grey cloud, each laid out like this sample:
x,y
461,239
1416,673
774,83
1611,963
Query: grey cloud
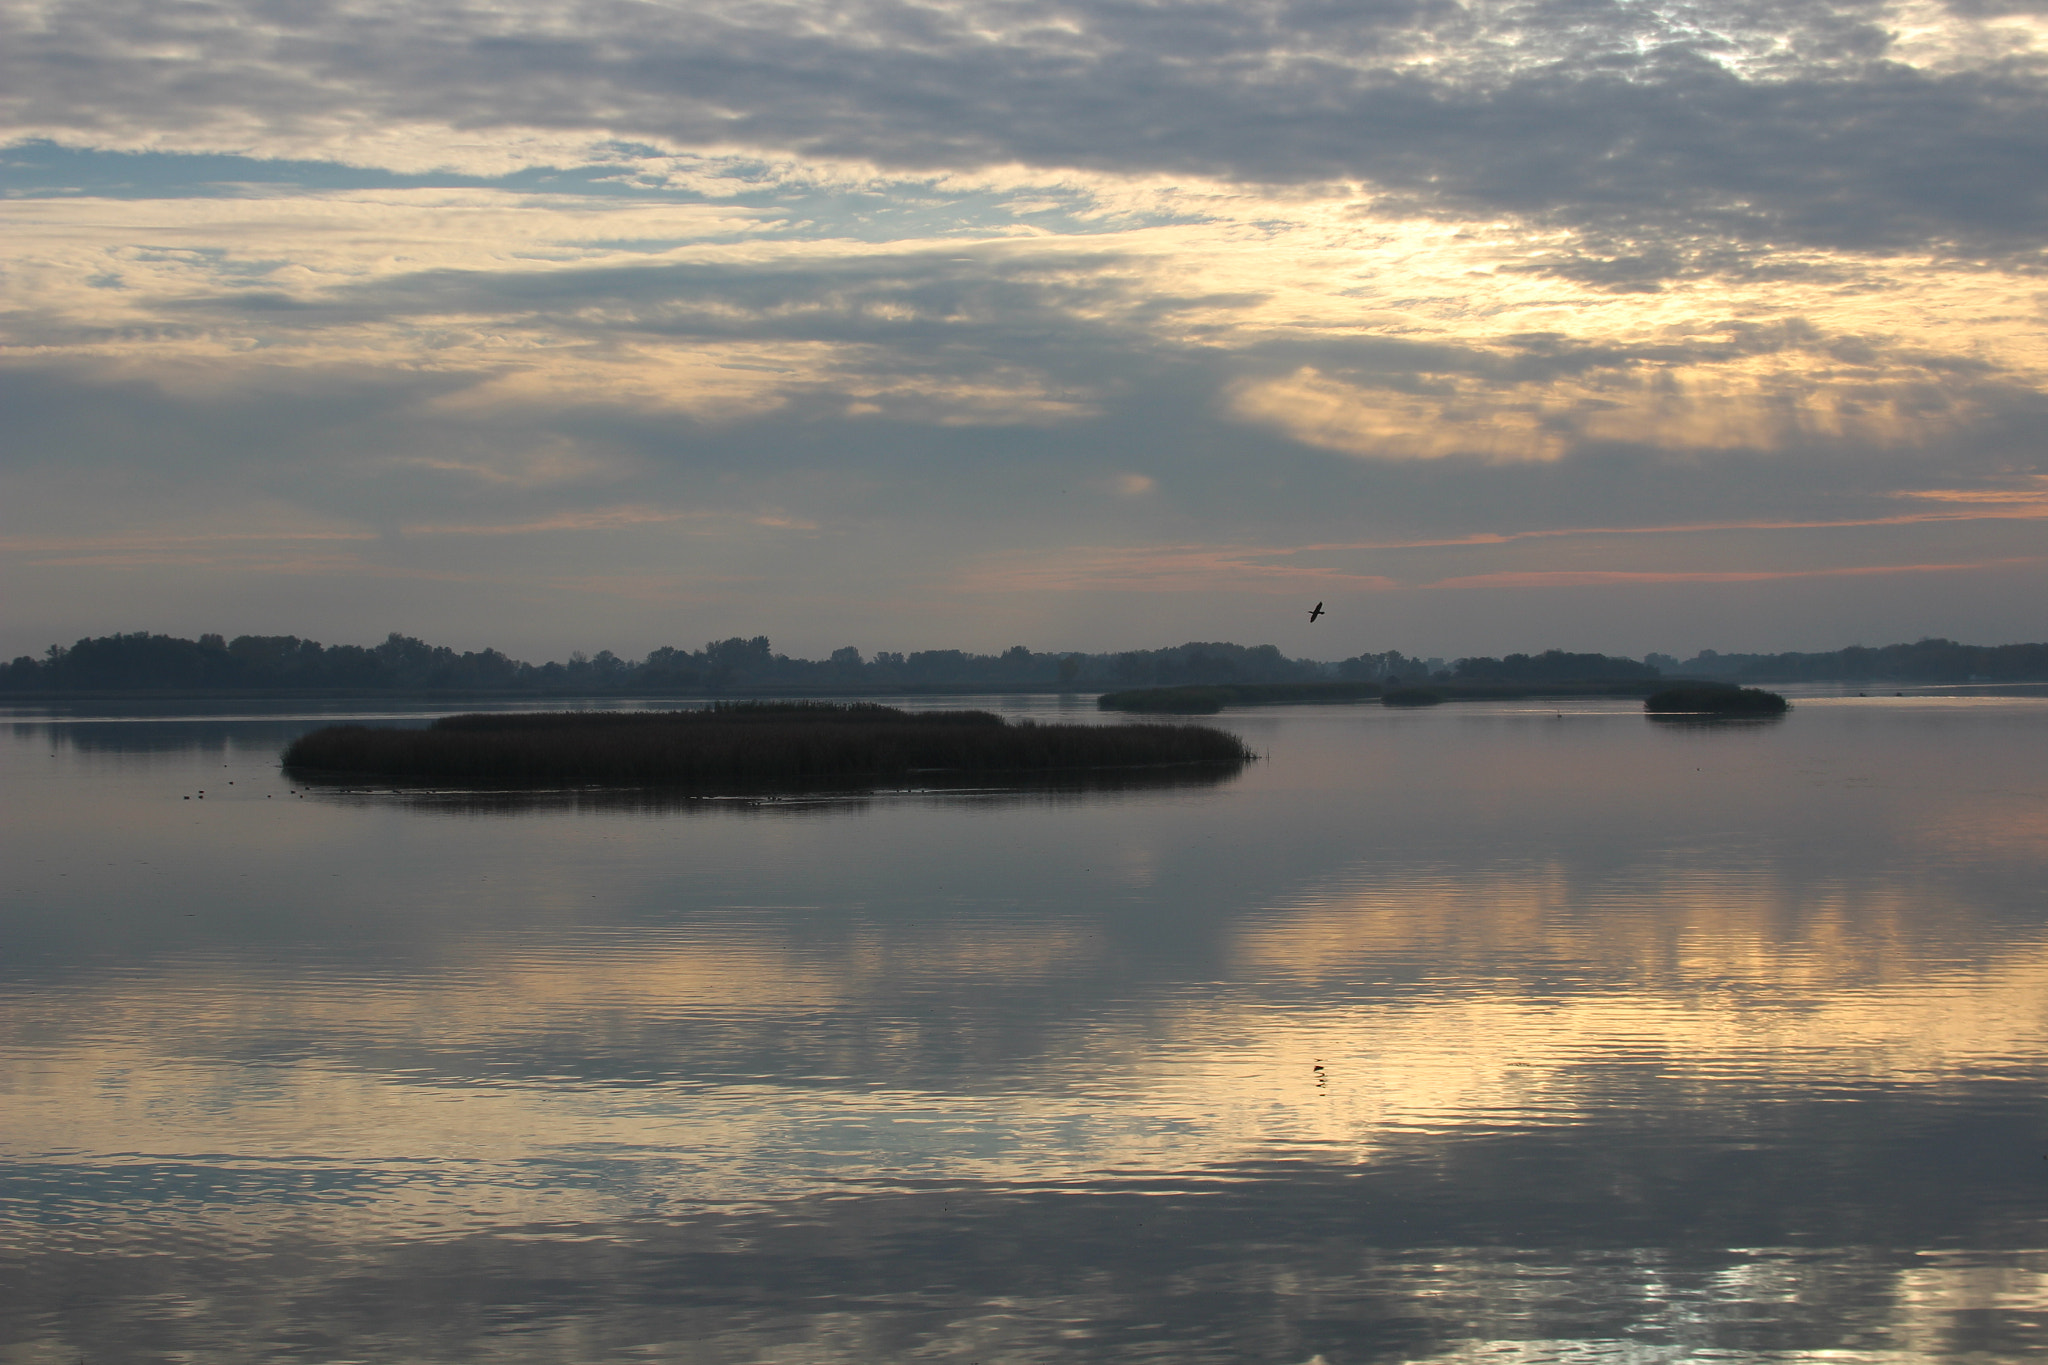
x,y
324,439
1612,118
1080,321
1071,315
1542,357
1989,9
1004,300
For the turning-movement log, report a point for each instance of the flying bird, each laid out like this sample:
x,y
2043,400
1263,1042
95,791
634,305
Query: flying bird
x,y
1318,611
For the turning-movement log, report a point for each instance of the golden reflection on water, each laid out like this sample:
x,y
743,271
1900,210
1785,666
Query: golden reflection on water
x,y
656,1049
1689,930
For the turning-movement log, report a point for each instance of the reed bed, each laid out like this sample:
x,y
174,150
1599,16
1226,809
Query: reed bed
x,y
744,748
1715,701
1411,696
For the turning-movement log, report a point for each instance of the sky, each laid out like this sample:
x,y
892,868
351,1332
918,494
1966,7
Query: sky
x,y
1080,324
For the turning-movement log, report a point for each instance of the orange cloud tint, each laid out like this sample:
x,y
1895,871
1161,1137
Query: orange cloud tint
x,y
143,543
2033,500
1173,568
1571,578
1240,569
609,519
2011,506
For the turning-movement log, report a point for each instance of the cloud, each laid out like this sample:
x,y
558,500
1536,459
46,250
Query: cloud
x,y
611,519
969,288
1785,400
1888,128
1417,348
1387,424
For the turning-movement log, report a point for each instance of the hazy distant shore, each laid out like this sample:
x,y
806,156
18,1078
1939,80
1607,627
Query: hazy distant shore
x,y
683,694
144,666
1194,701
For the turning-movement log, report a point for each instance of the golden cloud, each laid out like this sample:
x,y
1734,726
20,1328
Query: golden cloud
x,y
1744,404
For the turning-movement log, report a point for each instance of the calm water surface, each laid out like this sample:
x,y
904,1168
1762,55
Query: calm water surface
x,y
1486,1032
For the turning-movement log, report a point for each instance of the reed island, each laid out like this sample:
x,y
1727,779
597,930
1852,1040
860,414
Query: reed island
x,y
751,746
1710,699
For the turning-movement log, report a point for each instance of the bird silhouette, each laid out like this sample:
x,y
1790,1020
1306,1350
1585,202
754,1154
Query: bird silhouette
x,y
1315,612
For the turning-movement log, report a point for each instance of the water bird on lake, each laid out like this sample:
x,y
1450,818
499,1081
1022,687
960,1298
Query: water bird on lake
x,y
1314,612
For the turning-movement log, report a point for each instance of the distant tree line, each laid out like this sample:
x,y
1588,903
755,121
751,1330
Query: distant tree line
x,y
1392,666
1925,661
1552,665
142,662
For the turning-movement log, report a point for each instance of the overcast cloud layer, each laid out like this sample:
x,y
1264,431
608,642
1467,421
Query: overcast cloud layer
x,y
1499,326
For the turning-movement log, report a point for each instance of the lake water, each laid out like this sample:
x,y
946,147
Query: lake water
x,y
1487,1032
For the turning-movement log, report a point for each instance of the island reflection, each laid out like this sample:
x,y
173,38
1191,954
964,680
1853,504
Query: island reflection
x,y
973,789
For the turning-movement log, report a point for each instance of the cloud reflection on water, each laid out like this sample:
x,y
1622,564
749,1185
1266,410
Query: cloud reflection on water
x,y
740,1068
1623,1053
